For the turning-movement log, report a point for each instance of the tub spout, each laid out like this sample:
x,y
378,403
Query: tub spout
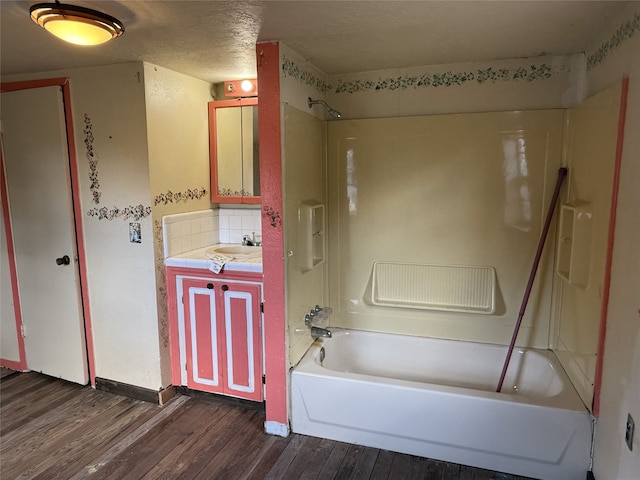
x,y
320,332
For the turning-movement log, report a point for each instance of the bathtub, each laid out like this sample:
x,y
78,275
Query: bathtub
x,y
436,399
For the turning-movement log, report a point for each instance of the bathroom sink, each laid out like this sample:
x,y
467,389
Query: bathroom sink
x,y
237,251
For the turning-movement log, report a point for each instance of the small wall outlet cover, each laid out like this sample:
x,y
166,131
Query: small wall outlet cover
x,y
628,435
135,233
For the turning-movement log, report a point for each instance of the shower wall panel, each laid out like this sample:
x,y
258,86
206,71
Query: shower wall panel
x,y
463,189
591,150
304,183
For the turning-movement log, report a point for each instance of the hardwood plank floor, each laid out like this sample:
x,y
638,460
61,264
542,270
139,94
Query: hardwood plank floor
x,y
52,429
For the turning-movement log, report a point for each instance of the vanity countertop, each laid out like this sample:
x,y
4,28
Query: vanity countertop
x,y
197,259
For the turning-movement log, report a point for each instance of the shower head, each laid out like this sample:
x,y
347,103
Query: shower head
x,y
334,113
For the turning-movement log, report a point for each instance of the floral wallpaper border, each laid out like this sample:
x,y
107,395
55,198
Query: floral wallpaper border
x,y
449,78
94,184
136,212
623,33
305,77
176,197
531,73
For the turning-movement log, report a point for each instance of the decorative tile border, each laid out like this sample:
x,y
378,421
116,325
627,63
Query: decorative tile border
x,y
171,197
623,33
305,77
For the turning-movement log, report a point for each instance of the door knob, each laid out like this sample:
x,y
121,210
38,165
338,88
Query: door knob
x,y
63,260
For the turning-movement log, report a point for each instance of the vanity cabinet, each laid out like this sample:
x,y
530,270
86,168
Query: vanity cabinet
x,y
215,331
234,151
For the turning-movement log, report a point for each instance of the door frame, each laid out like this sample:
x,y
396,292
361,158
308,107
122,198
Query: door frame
x,y
63,83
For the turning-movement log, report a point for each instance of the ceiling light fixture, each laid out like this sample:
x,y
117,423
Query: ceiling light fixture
x,y
78,25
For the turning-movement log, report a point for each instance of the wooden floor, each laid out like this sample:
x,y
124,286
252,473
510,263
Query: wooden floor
x,y
50,429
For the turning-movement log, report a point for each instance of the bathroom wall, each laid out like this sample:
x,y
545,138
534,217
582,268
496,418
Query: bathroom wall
x,y
111,129
398,213
616,53
178,141
493,85
590,145
304,179
464,190
304,173
183,232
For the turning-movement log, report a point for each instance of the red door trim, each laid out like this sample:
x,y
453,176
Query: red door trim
x,y
21,363
622,115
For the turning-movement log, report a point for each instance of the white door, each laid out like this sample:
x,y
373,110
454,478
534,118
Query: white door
x,y
38,186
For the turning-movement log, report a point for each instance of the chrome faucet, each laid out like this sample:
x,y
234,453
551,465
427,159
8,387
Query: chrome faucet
x,y
250,240
320,332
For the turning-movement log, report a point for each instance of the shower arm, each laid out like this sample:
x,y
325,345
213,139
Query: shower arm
x,y
332,111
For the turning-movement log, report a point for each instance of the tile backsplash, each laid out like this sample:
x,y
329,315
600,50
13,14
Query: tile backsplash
x,y
184,232
236,222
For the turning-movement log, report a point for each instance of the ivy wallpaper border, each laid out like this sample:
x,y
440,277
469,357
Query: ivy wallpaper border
x,y
305,77
622,34
449,78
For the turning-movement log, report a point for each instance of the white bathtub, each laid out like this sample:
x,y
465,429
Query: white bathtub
x,y
436,398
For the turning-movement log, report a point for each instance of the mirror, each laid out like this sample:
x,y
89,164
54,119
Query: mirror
x,y
233,151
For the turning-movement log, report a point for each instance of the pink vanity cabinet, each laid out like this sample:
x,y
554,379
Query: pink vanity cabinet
x,y
215,331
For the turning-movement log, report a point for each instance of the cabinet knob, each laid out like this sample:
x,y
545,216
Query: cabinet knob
x,y
210,286
225,288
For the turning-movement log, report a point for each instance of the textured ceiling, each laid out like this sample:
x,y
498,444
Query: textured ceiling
x,y
215,40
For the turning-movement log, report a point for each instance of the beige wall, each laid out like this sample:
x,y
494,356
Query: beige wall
x,y
467,189
621,376
178,139
493,85
121,274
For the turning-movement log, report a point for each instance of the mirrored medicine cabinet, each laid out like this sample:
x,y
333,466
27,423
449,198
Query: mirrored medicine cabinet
x,y
233,151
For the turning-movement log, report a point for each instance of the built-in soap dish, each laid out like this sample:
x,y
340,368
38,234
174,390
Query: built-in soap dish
x,y
311,234
574,243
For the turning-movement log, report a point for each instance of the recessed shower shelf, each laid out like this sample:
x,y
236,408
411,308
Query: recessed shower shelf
x,y
311,234
574,245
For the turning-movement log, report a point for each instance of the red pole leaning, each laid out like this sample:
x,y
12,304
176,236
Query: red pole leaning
x,y
562,172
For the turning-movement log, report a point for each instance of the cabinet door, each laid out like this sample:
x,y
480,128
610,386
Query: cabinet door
x,y
243,346
203,343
